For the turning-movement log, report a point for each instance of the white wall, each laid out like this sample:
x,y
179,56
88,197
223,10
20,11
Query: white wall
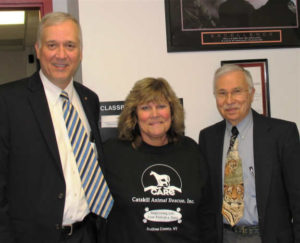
x,y
60,6
125,40
68,6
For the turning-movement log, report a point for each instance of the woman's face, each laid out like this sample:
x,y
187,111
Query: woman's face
x,y
154,120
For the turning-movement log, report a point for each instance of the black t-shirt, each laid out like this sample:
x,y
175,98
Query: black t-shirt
x,y
158,192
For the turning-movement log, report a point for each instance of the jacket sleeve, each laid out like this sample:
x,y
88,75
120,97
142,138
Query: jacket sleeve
x,y
6,234
289,154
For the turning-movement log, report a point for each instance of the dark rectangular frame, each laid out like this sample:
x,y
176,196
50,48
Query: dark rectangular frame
x,y
262,64
180,38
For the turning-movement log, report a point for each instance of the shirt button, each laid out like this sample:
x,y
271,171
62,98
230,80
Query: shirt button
x,y
60,195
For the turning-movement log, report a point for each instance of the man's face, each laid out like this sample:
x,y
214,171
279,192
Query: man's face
x,y
233,97
60,52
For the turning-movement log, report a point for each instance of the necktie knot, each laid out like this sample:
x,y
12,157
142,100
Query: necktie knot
x,y
234,134
64,95
234,131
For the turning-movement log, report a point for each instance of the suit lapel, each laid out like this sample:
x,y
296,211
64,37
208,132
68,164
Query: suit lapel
x,y
87,107
90,109
262,162
39,104
219,143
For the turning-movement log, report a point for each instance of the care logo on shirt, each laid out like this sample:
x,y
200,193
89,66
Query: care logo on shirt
x,y
160,179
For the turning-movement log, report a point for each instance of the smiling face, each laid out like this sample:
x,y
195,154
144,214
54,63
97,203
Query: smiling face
x,y
154,120
234,106
59,52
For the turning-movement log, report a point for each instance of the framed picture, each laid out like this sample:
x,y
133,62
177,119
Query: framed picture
x,y
109,115
197,25
258,69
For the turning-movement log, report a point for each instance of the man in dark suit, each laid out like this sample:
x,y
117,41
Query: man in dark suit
x,y
269,151
42,198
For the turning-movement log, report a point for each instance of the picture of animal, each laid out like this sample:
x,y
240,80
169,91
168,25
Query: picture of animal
x,y
162,180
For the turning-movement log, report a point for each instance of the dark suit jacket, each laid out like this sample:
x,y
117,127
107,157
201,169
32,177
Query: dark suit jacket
x,y
32,186
277,170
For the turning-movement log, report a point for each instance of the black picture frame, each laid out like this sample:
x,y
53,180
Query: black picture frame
x,y
258,69
191,28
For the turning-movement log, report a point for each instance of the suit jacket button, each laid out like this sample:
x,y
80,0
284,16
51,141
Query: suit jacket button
x,y
60,195
57,226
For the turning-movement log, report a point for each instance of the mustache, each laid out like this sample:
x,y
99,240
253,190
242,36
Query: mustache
x,y
231,106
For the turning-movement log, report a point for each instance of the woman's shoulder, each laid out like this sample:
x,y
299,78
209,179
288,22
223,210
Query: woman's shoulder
x,y
187,141
113,143
116,149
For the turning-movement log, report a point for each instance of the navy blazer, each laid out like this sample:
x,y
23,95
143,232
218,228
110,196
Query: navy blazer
x,y
277,168
32,186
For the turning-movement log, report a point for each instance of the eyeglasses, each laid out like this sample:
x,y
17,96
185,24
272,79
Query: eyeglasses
x,y
235,93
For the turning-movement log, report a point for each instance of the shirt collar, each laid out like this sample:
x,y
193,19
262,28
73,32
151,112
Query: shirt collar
x,y
242,126
52,91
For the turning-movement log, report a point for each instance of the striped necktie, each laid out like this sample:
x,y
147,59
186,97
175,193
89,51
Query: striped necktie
x,y
233,201
97,193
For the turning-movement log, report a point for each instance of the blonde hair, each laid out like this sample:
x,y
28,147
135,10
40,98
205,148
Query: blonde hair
x,y
145,91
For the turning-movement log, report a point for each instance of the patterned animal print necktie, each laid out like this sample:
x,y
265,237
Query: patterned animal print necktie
x,y
233,201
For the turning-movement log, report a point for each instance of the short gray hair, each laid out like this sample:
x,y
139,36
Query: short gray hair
x,y
55,18
227,68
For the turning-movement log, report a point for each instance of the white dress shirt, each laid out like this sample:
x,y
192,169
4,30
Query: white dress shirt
x,y
76,207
